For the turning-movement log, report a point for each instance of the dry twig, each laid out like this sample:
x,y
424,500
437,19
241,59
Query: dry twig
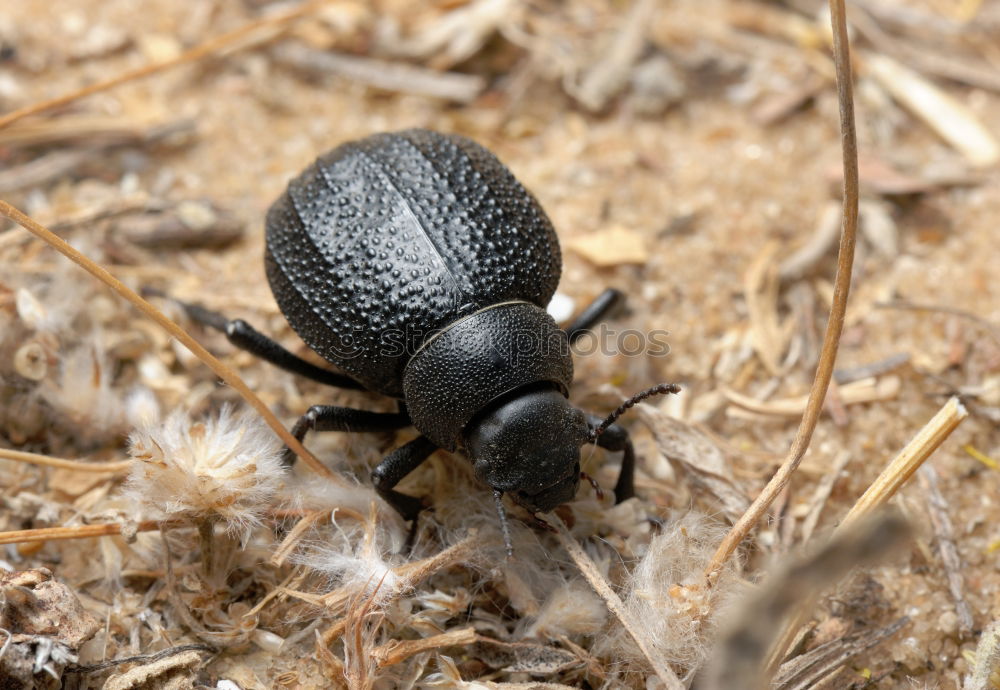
x,y
387,75
63,464
221,370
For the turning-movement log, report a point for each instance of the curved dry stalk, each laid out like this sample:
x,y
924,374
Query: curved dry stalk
x,y
210,46
62,463
220,369
842,285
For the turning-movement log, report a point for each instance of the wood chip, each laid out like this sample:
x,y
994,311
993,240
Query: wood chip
x,y
820,243
865,371
760,290
612,247
777,107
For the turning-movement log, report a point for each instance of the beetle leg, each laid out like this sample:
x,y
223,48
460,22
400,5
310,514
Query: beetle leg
x,y
331,418
246,337
394,467
615,438
593,313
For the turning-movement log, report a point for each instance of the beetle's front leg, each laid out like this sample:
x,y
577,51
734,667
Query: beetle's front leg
x,y
615,438
394,467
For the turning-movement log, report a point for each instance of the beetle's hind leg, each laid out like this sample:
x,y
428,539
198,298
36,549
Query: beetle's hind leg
x,y
331,418
593,313
246,337
616,438
396,465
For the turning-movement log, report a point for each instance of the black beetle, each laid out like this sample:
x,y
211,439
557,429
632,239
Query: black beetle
x,y
419,266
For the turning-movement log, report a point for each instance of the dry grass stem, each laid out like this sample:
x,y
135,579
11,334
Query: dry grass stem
x,y
221,370
885,486
822,494
842,286
205,49
63,464
613,601
760,290
906,463
810,670
44,534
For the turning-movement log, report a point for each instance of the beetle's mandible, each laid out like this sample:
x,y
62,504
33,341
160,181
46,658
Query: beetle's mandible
x,y
417,265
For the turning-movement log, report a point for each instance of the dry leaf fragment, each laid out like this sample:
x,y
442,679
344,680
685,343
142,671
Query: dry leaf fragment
x,y
612,247
698,457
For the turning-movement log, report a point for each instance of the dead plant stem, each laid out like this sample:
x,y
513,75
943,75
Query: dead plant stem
x,y
835,325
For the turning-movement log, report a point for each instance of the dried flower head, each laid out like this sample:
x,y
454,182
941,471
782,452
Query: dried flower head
x,y
228,468
666,592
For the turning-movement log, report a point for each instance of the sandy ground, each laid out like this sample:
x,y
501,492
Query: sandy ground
x,y
700,192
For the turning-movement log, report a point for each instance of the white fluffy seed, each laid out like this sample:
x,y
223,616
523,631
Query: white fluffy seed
x,y
228,468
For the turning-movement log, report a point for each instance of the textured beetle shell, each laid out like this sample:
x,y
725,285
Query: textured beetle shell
x,y
385,240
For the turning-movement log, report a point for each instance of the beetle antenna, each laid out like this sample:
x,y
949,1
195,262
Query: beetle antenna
x,y
658,389
504,526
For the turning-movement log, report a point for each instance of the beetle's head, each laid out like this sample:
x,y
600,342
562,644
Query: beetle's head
x,y
528,446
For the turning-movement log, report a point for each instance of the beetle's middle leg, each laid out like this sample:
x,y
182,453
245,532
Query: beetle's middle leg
x,y
616,438
330,418
244,336
593,313
394,467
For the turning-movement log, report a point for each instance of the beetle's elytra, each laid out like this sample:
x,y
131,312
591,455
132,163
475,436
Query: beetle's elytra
x,y
421,268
